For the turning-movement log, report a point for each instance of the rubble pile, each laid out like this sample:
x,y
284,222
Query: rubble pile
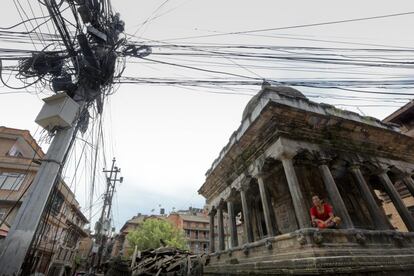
x,y
117,267
167,261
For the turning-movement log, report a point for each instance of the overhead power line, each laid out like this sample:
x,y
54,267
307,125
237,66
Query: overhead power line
x,y
298,26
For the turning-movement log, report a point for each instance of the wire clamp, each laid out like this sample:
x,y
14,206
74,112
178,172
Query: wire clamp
x,y
52,160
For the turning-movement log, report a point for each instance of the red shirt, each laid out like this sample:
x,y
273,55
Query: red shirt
x,y
327,209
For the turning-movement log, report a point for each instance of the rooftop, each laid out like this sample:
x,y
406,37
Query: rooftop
x,y
195,218
285,111
293,98
402,115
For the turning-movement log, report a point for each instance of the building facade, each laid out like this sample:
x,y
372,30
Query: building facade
x,y
121,246
195,225
20,158
404,119
18,150
288,149
65,230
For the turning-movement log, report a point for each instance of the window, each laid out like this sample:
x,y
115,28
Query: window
x,y
11,181
14,151
56,204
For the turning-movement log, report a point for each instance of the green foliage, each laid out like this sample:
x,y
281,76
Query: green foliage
x,y
78,260
151,231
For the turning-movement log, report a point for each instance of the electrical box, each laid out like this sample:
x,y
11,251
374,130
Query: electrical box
x,y
58,111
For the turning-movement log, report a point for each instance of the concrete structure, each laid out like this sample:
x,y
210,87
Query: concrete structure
x,y
20,157
195,225
288,148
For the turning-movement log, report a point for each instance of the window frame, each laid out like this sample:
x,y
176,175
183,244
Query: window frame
x,y
19,179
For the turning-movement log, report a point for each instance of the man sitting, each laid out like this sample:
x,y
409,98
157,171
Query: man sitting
x,y
322,214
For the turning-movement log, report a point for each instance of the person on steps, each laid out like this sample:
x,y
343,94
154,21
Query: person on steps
x,y
322,214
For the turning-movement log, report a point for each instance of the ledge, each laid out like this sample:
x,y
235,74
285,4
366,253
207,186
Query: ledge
x,y
318,251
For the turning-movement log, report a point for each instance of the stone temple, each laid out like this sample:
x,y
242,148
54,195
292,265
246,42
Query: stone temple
x,y
287,149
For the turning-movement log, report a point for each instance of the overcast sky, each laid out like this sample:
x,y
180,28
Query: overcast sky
x,y
165,137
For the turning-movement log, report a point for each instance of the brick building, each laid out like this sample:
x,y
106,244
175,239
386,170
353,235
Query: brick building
x,y
195,225
20,158
121,246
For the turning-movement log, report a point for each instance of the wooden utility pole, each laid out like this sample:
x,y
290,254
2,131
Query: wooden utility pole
x,y
22,232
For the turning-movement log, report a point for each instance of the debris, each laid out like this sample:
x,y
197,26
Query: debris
x,y
168,261
118,267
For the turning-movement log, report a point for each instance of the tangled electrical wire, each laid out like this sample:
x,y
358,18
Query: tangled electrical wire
x,y
86,55
83,56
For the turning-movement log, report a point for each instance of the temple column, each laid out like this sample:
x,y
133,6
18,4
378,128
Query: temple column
x,y
378,217
220,226
334,195
396,199
409,182
302,214
266,206
211,233
232,224
246,215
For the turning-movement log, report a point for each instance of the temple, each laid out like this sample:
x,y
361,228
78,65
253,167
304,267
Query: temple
x,y
287,149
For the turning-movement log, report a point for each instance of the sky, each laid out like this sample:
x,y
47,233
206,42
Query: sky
x,y
166,137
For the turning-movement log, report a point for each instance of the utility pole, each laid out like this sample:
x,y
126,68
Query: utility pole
x,y
101,236
20,237
82,75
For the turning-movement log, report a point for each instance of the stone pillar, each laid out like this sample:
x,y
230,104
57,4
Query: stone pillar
x,y
302,214
266,206
378,217
232,224
335,196
409,182
220,227
211,233
246,215
396,199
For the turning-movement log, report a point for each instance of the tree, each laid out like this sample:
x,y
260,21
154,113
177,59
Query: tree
x,y
150,233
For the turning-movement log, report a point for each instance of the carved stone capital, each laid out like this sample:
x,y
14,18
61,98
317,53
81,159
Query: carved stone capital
x,y
283,149
220,204
382,169
256,169
245,184
354,166
212,212
287,155
322,157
